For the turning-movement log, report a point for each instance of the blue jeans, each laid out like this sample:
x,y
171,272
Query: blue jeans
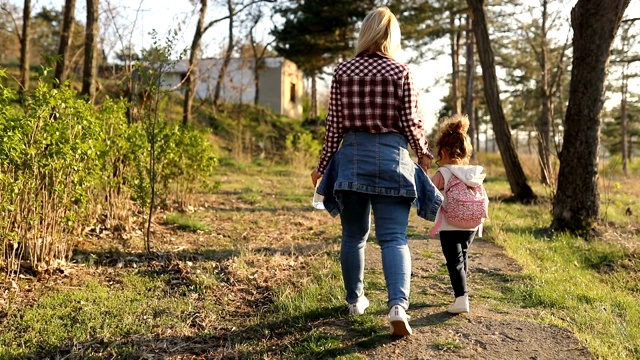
x,y
391,216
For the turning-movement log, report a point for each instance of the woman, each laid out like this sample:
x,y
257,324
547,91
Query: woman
x,y
373,113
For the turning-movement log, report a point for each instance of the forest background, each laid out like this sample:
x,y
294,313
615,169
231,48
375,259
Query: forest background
x,y
91,143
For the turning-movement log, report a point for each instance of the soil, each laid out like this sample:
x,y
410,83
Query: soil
x,y
486,332
282,242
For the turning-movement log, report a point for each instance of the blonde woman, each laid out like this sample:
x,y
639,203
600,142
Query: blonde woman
x,y
373,119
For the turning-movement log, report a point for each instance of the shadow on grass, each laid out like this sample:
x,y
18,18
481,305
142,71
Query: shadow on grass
x,y
272,209
125,259
302,336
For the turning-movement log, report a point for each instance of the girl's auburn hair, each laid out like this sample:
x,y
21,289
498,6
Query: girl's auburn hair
x,y
452,138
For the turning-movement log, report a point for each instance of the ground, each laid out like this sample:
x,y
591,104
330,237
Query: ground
x,y
262,237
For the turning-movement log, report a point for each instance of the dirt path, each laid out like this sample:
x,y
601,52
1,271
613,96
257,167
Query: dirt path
x,y
488,332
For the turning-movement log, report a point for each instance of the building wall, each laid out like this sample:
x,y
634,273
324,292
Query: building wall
x,y
271,88
276,80
293,89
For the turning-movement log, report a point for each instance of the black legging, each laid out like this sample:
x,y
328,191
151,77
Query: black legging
x,y
455,244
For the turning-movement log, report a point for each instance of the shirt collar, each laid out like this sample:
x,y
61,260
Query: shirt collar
x,y
370,54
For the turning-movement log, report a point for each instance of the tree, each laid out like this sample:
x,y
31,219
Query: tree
x,y
24,47
10,36
258,53
624,57
515,174
191,78
227,54
470,72
317,33
576,204
65,41
90,46
550,60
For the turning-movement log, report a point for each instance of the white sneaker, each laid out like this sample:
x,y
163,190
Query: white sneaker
x,y
359,307
399,321
461,305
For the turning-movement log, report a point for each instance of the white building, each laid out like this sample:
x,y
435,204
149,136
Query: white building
x,y
280,86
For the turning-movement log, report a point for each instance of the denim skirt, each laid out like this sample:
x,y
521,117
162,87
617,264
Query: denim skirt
x,y
375,164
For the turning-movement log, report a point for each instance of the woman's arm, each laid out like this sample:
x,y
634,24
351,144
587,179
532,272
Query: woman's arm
x,y
334,133
410,122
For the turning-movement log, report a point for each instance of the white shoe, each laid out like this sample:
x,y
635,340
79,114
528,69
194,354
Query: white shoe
x,y
399,321
461,305
359,307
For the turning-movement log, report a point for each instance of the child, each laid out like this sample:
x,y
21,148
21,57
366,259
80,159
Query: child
x,y
457,231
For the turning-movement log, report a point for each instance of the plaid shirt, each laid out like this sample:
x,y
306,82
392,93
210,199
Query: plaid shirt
x,y
373,93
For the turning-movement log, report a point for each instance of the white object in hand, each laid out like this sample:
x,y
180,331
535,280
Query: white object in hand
x,y
317,201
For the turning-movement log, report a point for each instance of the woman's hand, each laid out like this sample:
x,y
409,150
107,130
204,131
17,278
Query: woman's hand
x,y
315,176
425,163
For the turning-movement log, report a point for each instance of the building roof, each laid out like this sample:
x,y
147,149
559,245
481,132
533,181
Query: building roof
x,y
182,66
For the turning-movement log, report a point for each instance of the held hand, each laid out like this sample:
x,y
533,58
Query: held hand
x,y
425,163
315,176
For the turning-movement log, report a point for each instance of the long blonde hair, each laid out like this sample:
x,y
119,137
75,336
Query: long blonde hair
x,y
380,31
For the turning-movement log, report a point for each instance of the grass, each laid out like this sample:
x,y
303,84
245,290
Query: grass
x,y
578,283
185,222
92,313
447,345
264,282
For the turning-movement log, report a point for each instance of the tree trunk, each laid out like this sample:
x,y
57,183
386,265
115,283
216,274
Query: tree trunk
x,y
24,48
90,46
227,57
624,124
470,79
515,174
65,41
191,78
476,118
576,204
314,98
544,124
455,63
624,127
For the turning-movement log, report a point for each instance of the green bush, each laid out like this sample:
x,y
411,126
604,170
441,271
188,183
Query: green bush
x,y
302,149
65,163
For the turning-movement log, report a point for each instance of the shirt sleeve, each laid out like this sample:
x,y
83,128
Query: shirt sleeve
x,y
438,180
334,131
410,122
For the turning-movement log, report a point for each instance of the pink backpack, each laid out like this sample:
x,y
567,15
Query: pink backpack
x,y
465,206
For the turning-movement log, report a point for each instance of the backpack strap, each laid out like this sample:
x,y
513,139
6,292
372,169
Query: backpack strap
x,y
446,174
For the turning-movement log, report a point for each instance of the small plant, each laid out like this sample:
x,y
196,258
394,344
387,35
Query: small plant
x,y
316,343
447,345
302,149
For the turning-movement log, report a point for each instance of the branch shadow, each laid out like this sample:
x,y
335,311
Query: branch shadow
x,y
136,259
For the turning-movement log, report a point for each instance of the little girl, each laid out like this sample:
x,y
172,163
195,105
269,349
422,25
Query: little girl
x,y
454,151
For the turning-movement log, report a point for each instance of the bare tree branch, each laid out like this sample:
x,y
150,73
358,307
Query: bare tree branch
x,y
239,10
628,60
4,8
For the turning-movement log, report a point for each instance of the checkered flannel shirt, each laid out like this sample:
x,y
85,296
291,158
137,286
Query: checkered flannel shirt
x,y
373,93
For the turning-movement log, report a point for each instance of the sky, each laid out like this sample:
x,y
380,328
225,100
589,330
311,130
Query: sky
x,y
135,20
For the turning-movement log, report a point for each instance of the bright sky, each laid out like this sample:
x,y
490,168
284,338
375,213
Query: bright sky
x,y
137,18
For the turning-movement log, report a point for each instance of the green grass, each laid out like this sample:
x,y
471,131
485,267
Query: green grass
x,y
565,278
185,222
447,345
312,297
314,344
588,287
92,313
